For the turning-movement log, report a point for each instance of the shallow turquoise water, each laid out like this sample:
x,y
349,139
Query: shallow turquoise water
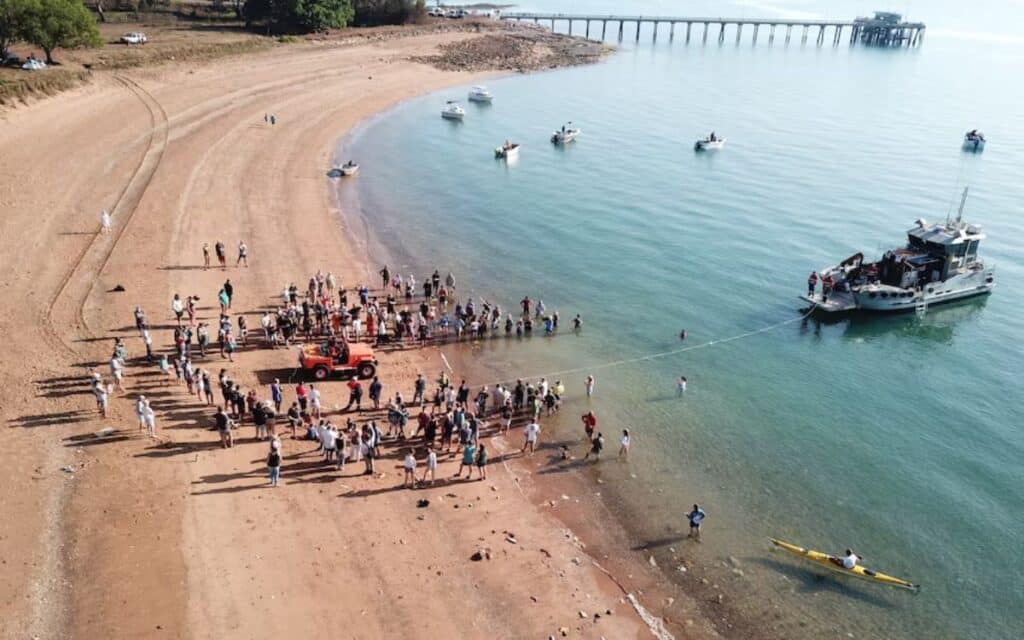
x,y
899,436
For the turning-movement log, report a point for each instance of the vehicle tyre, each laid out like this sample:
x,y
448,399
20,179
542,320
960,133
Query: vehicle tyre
x,y
367,370
320,372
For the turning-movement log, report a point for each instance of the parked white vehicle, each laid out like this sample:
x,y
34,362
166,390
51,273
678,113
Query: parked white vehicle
x,y
436,12
135,37
33,64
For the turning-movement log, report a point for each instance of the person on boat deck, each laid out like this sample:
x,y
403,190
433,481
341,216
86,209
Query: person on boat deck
x,y
826,287
848,561
712,137
812,282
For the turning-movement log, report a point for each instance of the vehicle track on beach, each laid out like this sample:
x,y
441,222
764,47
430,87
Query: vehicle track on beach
x,y
123,210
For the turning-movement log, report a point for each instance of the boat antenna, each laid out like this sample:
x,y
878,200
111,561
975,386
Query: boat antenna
x,y
963,201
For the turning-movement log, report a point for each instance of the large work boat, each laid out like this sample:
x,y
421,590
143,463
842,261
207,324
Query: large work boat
x,y
939,264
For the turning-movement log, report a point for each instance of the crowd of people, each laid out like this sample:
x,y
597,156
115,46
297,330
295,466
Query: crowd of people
x,y
451,421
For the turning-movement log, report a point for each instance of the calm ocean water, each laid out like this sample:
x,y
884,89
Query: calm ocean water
x,y
898,436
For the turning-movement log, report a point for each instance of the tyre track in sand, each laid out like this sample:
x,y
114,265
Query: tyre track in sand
x,y
122,212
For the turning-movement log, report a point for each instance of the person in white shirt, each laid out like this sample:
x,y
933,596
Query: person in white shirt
x,y
431,468
589,384
329,442
140,411
106,221
847,561
314,402
150,417
532,432
681,385
624,444
243,254
410,470
117,371
178,307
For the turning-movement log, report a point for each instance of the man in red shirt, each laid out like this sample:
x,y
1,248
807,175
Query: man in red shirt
x,y
589,424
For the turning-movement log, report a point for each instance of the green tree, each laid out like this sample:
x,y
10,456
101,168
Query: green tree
x,y
11,15
299,15
49,24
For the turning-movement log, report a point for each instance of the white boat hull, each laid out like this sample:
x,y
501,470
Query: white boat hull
x,y
507,154
451,115
480,98
349,171
564,138
707,145
883,298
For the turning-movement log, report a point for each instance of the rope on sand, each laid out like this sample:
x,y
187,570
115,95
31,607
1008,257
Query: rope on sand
x,y
662,354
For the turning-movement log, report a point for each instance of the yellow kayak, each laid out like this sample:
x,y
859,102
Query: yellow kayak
x,y
827,561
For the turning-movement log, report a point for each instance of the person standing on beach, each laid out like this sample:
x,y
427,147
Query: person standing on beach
x,y
431,468
468,456
222,256
274,464
695,517
409,464
106,222
385,277
532,434
229,289
223,423
624,445
150,418
276,394
206,256
178,307
481,462
376,387
681,385
140,411
243,254
419,390
589,384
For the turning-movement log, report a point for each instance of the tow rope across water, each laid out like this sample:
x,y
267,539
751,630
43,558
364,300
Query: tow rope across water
x,y
661,354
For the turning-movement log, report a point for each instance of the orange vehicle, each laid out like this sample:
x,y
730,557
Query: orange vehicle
x,y
338,356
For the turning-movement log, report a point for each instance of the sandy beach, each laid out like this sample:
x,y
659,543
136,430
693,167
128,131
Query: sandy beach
x,y
120,536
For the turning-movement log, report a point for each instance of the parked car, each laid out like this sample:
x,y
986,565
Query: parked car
x,y
135,37
32,64
436,12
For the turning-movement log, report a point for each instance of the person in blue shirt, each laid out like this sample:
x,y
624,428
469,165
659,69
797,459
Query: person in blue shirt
x,y
696,517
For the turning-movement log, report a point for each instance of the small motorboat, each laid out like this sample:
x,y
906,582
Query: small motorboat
x,y
566,134
710,143
480,94
453,111
349,168
508,151
974,140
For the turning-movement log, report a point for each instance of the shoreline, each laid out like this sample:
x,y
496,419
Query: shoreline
x,y
685,607
168,529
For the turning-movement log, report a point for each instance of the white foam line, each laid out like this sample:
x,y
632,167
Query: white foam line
x,y
655,624
446,363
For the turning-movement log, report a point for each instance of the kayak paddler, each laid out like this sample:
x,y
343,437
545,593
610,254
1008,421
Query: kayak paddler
x,y
848,561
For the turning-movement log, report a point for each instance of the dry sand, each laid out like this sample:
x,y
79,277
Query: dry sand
x,y
181,538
